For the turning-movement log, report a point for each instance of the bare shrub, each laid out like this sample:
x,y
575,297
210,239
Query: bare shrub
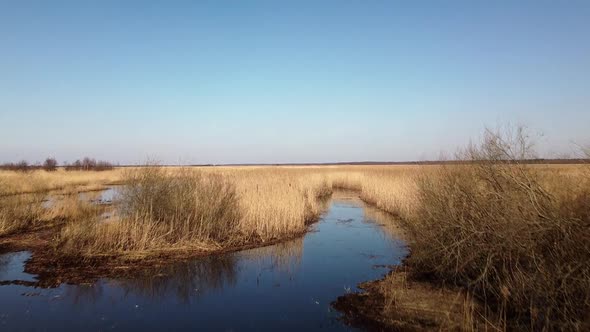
x,y
206,206
50,165
161,211
495,226
89,164
21,166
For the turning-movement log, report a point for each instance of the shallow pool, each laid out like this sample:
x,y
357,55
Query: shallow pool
x,y
288,286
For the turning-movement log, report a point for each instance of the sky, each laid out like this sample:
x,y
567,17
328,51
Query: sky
x,y
198,82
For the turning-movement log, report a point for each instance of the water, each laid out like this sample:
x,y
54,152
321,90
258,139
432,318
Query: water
x,y
106,196
11,266
288,286
101,197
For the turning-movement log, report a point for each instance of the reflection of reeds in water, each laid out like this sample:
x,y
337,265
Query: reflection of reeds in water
x,y
184,280
283,257
187,281
84,293
390,225
345,196
4,259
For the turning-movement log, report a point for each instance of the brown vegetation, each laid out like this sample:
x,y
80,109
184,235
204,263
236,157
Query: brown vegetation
x,y
89,164
515,236
38,181
159,211
21,166
50,165
398,302
165,210
18,213
512,235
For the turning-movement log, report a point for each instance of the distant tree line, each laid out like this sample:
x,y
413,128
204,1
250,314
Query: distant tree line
x,y
50,165
88,164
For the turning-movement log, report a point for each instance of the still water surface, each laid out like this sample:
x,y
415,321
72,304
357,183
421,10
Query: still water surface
x,y
288,286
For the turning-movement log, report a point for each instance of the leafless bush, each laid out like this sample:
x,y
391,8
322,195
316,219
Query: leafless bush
x,y
50,165
89,164
160,211
186,202
514,238
21,166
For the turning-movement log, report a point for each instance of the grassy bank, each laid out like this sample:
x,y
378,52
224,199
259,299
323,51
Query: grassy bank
x,y
515,236
179,209
40,181
512,236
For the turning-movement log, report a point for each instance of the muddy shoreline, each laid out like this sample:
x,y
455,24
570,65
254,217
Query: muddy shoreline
x,y
402,302
418,304
51,272
362,310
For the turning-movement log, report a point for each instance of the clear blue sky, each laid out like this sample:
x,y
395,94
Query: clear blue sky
x,y
287,81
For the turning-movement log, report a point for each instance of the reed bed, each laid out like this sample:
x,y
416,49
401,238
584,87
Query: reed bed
x,y
177,209
515,236
19,213
38,181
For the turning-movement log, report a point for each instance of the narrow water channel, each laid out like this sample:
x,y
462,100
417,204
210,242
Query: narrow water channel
x,y
288,286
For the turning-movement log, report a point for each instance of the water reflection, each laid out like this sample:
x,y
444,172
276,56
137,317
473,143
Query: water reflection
x,y
287,286
4,259
282,257
12,266
185,281
389,225
106,196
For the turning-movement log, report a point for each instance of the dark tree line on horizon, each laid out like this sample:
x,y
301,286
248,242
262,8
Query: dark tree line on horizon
x,y
51,165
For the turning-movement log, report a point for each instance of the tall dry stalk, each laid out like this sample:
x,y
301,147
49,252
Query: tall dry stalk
x,y
160,210
495,226
18,212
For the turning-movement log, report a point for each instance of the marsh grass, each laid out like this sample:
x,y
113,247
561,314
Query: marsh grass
x,y
175,209
39,181
186,204
19,213
161,210
514,235
70,207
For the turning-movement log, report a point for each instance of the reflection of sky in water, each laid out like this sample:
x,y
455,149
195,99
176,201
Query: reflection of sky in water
x,y
286,286
103,196
12,266
107,195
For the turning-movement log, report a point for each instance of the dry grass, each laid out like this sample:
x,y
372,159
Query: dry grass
x,y
159,210
43,181
516,236
164,209
277,202
70,207
171,208
19,213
